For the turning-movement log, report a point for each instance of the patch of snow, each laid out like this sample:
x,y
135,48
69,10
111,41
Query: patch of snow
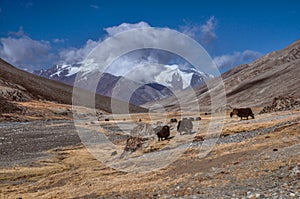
x,y
65,66
56,73
172,75
72,71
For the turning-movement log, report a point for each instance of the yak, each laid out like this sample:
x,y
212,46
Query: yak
x,y
185,125
163,133
192,119
242,112
198,118
173,120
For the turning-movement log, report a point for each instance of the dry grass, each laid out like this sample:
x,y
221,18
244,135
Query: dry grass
x,y
74,171
235,125
40,110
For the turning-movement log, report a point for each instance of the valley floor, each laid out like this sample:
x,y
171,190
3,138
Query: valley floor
x,y
257,158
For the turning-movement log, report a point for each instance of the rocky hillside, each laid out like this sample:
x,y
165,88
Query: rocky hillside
x,y
255,84
258,83
20,86
282,103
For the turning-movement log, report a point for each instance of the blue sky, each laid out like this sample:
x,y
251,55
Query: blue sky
x,y
38,34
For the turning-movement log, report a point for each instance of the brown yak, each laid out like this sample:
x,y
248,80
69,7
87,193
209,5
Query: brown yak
x,y
163,133
242,112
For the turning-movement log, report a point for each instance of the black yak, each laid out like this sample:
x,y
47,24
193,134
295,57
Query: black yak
x,y
192,119
185,125
198,118
173,120
163,133
242,112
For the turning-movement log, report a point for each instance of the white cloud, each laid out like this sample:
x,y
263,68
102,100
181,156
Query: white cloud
x,y
204,33
24,51
94,6
21,50
76,55
230,60
142,57
137,59
208,30
57,40
125,26
20,32
191,30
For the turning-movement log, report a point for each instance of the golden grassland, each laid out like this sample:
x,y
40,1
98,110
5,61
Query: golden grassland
x,y
73,171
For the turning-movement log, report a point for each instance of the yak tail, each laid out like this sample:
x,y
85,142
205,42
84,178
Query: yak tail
x,y
178,125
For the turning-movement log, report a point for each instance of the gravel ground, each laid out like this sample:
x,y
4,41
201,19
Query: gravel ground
x,y
279,181
250,134
20,143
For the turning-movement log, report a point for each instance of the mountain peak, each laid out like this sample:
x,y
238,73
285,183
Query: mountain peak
x,y
171,77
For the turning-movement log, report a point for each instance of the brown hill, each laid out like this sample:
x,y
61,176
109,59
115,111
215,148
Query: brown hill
x,y
258,83
20,86
255,84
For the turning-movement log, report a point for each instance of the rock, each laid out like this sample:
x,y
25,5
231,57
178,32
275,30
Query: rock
x,y
144,131
14,94
9,107
63,112
282,103
294,171
292,194
134,143
114,153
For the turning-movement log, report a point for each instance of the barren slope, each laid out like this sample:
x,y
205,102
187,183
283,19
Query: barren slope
x,y
255,84
19,86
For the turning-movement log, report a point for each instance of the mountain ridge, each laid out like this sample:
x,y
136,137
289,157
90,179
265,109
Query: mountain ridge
x,y
170,77
18,85
255,84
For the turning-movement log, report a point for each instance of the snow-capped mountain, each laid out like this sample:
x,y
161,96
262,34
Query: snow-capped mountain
x,y
60,72
178,79
153,86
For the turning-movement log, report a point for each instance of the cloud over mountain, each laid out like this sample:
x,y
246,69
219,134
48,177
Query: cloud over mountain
x,y
26,52
230,60
20,50
125,26
76,55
